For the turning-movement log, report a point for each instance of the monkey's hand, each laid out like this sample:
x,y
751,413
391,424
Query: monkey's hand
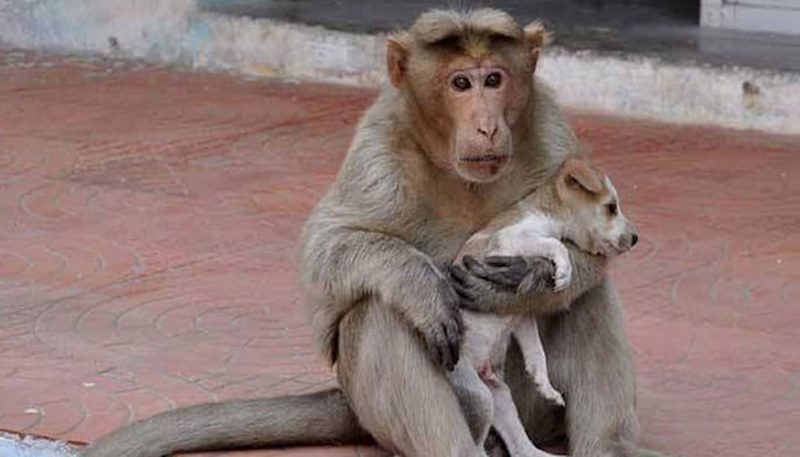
x,y
441,327
342,265
525,284
493,285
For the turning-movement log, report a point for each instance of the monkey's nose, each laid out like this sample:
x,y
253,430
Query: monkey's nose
x,y
487,129
634,239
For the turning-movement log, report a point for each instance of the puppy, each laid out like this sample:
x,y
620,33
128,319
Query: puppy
x,y
579,204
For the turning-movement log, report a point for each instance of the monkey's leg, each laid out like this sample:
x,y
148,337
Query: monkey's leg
x,y
591,361
397,393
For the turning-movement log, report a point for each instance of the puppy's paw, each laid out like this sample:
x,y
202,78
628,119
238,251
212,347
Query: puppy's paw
x,y
551,394
563,273
543,385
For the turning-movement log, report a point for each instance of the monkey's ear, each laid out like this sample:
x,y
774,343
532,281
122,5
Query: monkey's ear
x,y
577,173
536,36
396,59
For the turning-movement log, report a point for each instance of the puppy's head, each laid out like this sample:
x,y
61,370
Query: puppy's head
x,y
591,208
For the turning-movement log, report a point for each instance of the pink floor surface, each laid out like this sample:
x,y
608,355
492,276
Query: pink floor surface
x,y
150,220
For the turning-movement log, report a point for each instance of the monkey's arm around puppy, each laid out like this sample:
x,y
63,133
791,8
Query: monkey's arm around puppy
x,y
351,264
491,285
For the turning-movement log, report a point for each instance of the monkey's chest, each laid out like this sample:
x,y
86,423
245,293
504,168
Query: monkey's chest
x,y
444,233
452,215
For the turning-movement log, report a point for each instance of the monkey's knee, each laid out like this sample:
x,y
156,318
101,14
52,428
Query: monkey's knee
x,y
404,401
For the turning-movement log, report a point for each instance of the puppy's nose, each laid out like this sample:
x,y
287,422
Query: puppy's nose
x,y
634,239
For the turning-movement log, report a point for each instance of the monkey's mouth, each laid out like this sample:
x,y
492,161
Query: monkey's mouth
x,y
484,167
489,159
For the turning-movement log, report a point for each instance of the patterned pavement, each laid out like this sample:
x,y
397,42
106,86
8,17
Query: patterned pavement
x,y
150,220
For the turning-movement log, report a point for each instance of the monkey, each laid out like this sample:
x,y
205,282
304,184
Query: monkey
x,y
462,130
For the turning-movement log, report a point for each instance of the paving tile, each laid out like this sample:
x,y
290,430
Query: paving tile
x,y
150,222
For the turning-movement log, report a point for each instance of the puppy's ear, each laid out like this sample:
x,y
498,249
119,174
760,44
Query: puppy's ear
x,y
576,173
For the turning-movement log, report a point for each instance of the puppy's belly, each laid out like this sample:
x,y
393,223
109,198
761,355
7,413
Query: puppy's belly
x,y
486,338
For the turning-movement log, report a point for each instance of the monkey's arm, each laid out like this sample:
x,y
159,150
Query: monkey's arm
x,y
343,265
491,286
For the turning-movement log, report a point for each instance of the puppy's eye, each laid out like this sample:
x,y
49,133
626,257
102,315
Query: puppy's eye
x,y
461,83
493,80
612,209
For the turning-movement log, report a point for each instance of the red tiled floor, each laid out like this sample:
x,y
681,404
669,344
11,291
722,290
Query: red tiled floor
x,y
149,224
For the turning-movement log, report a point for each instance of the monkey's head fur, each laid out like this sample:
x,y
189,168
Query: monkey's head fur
x,y
466,77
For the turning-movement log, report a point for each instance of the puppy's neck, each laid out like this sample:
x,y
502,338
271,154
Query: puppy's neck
x,y
546,200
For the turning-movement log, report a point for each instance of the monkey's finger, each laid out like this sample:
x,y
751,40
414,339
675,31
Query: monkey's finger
x,y
497,278
476,268
541,263
461,279
511,266
458,275
453,346
446,352
541,273
506,261
434,347
460,283
465,298
449,295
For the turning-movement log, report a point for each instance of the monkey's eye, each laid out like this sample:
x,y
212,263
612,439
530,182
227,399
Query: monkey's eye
x,y
493,80
612,208
461,83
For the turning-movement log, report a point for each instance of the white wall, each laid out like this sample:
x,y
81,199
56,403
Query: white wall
x,y
780,16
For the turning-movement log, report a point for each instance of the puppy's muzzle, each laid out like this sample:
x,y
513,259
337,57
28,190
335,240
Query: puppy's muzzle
x,y
628,239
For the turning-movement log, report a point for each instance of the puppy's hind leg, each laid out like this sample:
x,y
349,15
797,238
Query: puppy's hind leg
x,y
475,399
508,424
527,334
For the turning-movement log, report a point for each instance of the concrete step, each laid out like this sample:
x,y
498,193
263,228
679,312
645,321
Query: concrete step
x,y
663,69
12,445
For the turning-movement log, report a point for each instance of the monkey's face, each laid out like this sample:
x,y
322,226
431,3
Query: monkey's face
x,y
471,106
468,80
483,104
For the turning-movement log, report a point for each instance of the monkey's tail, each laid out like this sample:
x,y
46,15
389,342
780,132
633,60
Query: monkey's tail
x,y
313,419
641,452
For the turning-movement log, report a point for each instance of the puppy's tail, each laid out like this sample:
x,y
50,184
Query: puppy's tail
x,y
313,419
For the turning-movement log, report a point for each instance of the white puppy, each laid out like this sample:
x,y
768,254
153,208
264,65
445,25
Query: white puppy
x,y
579,204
